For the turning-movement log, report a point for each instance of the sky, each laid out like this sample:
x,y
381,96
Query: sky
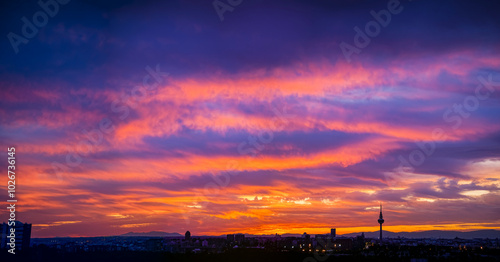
x,y
251,116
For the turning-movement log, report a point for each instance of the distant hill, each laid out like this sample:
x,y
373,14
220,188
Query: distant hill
x,y
291,235
151,234
488,233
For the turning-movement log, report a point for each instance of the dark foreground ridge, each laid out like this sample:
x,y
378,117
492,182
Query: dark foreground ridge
x,y
421,254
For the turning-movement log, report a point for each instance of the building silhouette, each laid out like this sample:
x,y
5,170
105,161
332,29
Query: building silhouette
x,y
240,238
187,236
154,244
333,232
381,221
22,233
306,237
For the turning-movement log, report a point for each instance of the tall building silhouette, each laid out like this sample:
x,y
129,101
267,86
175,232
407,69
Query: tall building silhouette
x,y
240,238
380,221
22,233
187,236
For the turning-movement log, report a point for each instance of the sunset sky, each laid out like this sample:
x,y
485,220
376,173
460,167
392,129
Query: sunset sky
x,y
161,116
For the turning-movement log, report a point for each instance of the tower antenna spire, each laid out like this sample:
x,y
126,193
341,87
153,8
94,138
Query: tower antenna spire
x,y
380,221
